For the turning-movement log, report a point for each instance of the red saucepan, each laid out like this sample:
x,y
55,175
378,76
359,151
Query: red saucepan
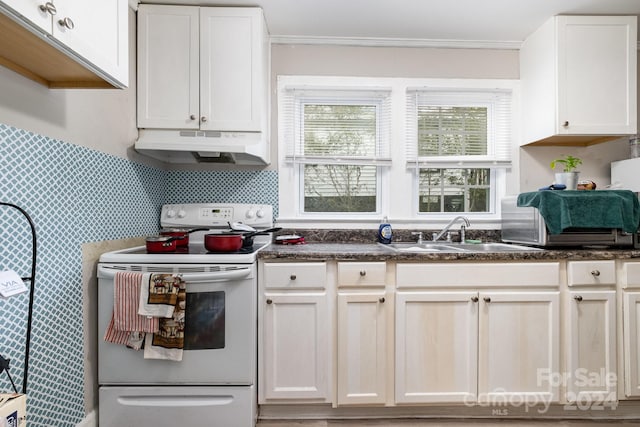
x,y
181,233
161,244
223,242
231,242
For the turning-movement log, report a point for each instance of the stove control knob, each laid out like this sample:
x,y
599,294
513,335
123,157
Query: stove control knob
x,y
182,213
171,213
260,213
250,214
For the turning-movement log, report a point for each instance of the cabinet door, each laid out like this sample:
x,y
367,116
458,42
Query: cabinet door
x,y
296,349
30,9
168,69
592,350
631,327
98,31
518,346
436,347
231,69
596,74
362,331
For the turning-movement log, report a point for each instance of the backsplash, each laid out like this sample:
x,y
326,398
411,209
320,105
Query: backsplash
x,y
74,195
245,186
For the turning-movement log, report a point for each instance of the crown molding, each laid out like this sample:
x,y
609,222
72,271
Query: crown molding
x,y
392,42
388,42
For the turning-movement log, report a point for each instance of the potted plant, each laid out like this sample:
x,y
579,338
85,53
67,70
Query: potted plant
x,y
569,174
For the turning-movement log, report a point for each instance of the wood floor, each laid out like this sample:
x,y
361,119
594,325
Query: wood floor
x,y
444,423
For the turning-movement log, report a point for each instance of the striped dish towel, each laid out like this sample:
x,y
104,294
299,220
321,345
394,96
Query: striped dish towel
x,y
127,327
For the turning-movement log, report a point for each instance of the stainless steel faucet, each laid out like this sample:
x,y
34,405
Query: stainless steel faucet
x,y
437,236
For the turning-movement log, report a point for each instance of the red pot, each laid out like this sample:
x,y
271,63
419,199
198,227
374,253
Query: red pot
x,y
225,242
161,244
181,233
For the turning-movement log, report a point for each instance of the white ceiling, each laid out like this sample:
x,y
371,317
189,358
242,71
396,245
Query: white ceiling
x,y
492,22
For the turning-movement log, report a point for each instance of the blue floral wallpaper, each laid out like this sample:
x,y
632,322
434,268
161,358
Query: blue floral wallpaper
x,y
75,195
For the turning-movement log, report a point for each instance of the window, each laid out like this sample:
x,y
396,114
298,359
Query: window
x,y
454,190
337,144
353,150
456,140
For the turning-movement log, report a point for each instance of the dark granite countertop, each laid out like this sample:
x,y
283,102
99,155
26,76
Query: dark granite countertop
x,y
376,252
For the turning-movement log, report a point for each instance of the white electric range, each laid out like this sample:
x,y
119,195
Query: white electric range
x,y
215,383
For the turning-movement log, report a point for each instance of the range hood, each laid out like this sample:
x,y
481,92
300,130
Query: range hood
x,y
197,146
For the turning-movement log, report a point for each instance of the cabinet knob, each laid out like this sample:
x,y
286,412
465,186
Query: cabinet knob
x,y
66,23
577,298
293,277
48,7
363,273
192,117
269,301
486,299
595,273
382,299
566,123
203,119
474,299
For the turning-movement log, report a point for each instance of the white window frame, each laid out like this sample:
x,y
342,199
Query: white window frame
x,y
397,181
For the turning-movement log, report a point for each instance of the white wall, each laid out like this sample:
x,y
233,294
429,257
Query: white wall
x,y
535,171
331,60
532,167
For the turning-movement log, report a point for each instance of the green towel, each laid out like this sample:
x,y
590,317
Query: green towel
x,y
585,209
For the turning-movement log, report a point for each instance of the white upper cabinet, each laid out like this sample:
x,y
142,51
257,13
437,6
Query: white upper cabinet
x,y
168,67
578,77
231,69
67,43
202,68
36,12
97,31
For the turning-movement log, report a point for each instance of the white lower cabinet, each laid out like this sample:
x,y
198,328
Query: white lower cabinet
x,y
362,337
295,346
631,326
630,283
362,346
518,344
591,346
436,347
350,333
294,334
494,343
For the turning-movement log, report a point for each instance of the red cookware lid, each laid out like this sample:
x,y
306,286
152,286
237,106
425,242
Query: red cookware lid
x,y
290,239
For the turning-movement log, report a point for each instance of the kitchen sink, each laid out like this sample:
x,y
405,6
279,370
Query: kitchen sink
x,y
450,247
424,247
494,247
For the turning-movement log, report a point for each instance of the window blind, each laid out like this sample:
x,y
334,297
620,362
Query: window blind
x,y
336,126
458,128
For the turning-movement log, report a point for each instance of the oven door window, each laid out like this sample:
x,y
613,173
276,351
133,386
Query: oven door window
x,y
205,321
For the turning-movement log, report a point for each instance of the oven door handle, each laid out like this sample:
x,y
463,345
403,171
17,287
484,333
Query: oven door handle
x,y
213,276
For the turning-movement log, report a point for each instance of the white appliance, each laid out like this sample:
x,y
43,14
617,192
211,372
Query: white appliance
x,y
215,383
624,174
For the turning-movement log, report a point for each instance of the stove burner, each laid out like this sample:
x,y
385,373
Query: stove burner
x,y
200,250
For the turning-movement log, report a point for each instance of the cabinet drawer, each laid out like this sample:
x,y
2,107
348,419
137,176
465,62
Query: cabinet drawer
x,y
591,273
474,274
295,275
362,273
631,275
